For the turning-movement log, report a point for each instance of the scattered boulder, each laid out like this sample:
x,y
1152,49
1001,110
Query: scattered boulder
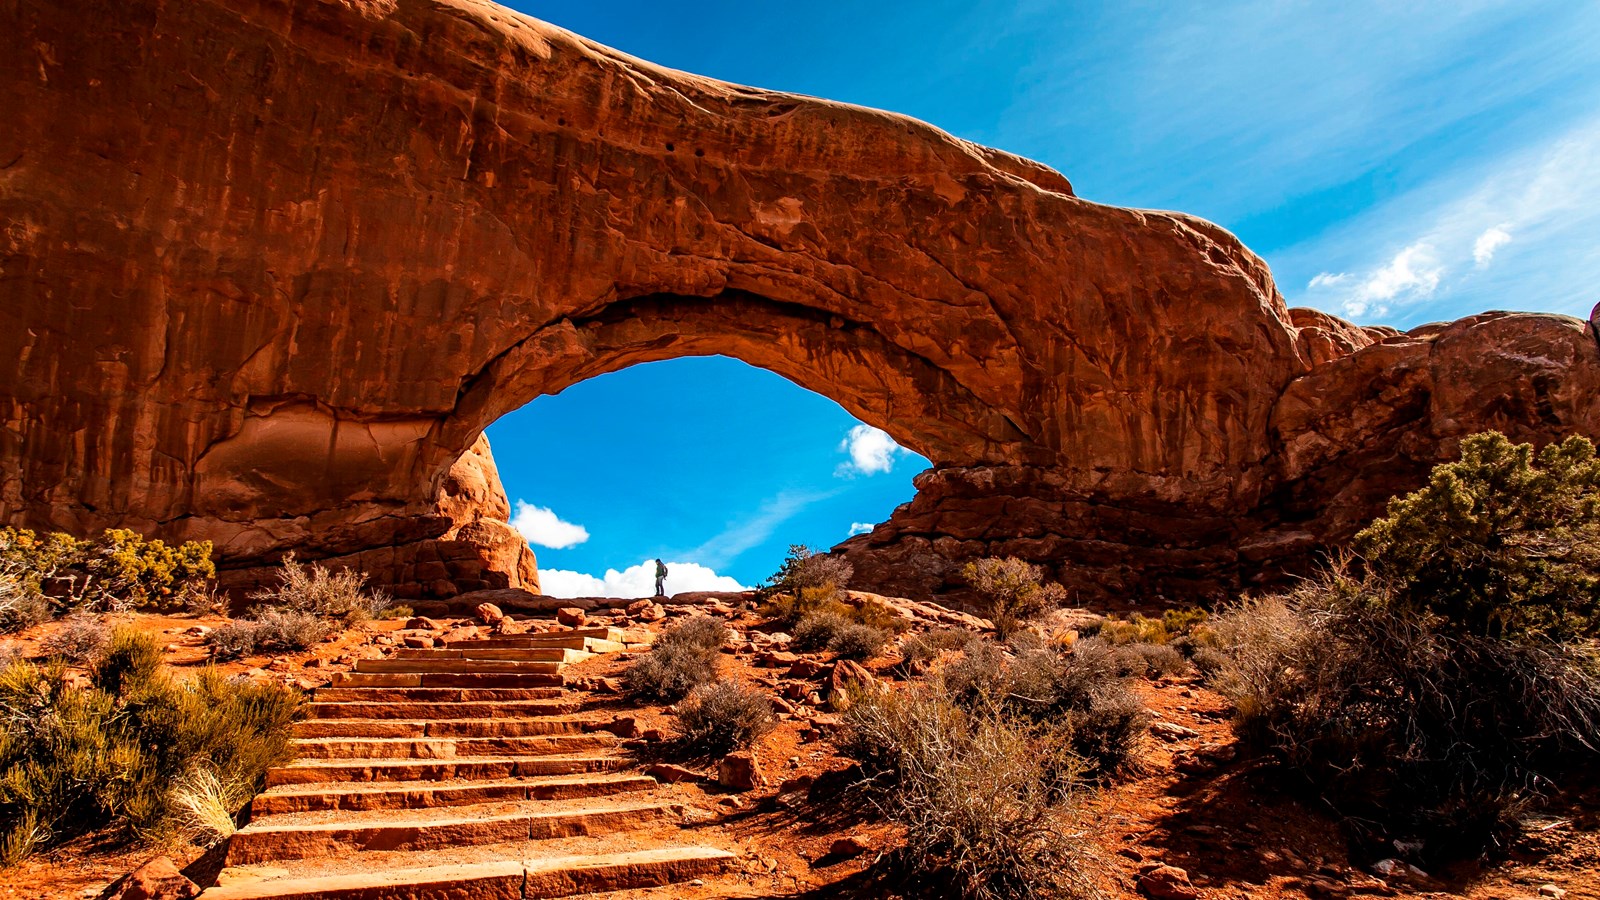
x,y
1163,882
489,614
848,847
1401,871
158,879
418,641
672,774
774,659
806,668
1549,890
1168,731
572,617
740,771
848,675
422,623
646,611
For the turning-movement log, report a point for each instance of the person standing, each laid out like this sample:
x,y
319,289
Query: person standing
x,y
661,578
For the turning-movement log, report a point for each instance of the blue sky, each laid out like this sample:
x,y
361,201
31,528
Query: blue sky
x,y
1396,162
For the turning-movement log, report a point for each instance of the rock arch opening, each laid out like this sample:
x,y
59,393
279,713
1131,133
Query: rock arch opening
x,y
707,462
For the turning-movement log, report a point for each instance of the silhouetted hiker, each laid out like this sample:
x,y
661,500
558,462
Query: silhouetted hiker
x,y
661,578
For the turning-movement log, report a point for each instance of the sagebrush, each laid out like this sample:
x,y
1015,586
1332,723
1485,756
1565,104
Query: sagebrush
x,y
1012,592
722,716
116,752
682,658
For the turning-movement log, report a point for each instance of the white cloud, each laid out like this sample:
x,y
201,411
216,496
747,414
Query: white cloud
x,y
1413,272
872,451
543,527
635,581
1487,243
860,528
1327,279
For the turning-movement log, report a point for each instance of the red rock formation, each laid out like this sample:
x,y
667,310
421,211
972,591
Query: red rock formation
x,y
269,270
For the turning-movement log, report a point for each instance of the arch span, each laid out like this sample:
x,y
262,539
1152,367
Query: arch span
x,y
271,268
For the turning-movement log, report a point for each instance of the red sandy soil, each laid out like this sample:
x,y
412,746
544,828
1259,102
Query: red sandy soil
x,y
1193,802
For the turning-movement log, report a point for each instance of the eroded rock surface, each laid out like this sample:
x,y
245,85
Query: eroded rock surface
x,y
267,272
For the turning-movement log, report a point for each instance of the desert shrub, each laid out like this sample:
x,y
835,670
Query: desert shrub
x,y
1082,693
1502,543
807,568
816,629
397,611
1159,659
118,570
78,759
919,651
988,804
857,641
1412,730
80,639
270,629
682,658
1012,591
22,606
722,716
339,595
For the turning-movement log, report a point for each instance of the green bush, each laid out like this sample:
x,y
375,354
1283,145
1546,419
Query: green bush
x,y
807,568
45,575
988,804
1502,543
79,759
1012,592
722,716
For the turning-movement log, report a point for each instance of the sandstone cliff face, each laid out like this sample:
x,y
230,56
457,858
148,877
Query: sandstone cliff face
x,y
269,269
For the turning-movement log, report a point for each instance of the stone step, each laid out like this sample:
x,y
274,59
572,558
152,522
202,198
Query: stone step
x,y
504,654
514,642
494,880
485,709
400,795
327,771
432,665
451,748
545,638
410,831
420,728
446,680
440,695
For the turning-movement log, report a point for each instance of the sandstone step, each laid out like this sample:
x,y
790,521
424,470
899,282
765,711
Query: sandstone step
x,y
501,654
407,830
467,709
590,644
431,665
440,695
404,795
418,728
614,635
450,747
495,880
320,771
446,680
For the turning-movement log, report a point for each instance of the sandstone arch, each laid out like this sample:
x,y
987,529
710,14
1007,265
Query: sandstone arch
x,y
270,269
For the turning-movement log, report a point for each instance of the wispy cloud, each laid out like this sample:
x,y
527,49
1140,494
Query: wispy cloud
x,y
871,450
635,581
1429,252
727,545
1484,247
860,528
543,527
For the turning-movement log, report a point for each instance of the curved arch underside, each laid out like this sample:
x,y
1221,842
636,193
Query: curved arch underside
x,y
272,268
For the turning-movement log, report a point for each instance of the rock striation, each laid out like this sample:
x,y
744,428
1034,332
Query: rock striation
x,y
268,270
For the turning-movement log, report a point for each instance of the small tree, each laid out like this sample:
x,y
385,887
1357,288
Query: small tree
x,y
1014,592
1503,543
808,568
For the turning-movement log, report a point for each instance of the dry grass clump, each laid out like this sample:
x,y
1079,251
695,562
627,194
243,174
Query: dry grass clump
x,y
1012,592
81,638
918,652
988,804
723,716
682,658
828,629
1083,694
308,606
115,753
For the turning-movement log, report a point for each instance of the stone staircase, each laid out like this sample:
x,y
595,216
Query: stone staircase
x,y
467,771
